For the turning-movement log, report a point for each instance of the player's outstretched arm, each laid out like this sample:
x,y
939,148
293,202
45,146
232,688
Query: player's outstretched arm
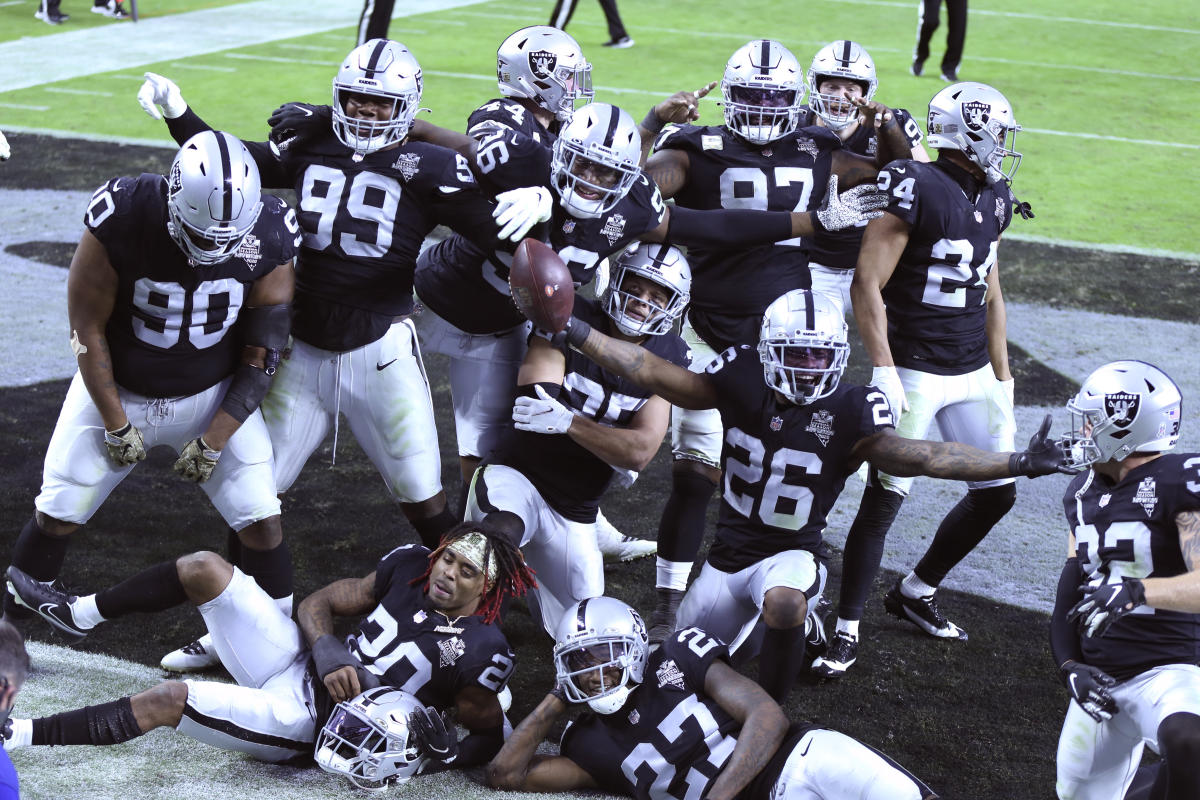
x,y
671,382
517,767
763,727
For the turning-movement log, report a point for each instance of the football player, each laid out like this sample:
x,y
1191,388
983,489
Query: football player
x,y
367,199
939,349
840,71
759,159
178,297
679,719
1127,611
576,424
429,630
793,434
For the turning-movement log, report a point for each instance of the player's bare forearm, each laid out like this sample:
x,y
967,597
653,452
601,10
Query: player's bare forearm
x,y
91,296
669,171
511,767
853,169
871,318
1180,592
763,726
996,328
905,458
626,448
893,143
344,598
673,383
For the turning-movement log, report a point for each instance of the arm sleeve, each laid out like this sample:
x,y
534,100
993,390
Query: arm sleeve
x,y
188,124
1064,639
728,227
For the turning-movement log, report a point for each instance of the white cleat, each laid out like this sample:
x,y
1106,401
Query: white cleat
x,y
195,657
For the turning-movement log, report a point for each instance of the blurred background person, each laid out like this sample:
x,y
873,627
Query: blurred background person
x,y
617,35
956,34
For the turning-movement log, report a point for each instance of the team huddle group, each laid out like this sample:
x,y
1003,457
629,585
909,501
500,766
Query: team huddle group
x,y
214,319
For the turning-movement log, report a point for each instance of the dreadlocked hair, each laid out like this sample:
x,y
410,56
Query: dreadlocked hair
x,y
513,576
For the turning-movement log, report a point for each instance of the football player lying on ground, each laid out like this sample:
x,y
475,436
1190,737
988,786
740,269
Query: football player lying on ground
x,y
792,437
1127,611
679,721
429,630
178,297
576,424
368,196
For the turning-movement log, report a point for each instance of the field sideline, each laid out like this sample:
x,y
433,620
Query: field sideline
x,y
1104,196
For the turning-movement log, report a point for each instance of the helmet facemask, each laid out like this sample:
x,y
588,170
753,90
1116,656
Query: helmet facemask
x,y
661,265
367,740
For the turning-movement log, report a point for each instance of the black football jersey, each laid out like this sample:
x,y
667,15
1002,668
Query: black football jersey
x,y
731,287
418,649
570,478
171,332
936,312
514,149
839,249
670,740
363,223
783,465
468,286
1128,530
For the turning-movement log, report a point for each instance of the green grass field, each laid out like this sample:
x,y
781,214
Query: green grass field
x,y
977,721
1110,144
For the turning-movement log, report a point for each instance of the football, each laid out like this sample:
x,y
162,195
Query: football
x,y
541,285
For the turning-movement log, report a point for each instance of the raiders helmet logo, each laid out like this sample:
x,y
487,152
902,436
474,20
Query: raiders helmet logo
x,y
542,63
639,627
1122,408
975,114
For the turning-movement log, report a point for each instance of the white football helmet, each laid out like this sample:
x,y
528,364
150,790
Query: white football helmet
x,y
802,346
1123,408
977,120
386,71
546,65
367,740
763,89
595,160
662,264
840,59
594,635
213,197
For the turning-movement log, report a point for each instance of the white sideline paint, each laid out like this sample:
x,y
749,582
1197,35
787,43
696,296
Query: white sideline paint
x,y
33,61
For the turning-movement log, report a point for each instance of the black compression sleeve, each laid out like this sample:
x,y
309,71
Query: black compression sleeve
x,y
725,227
186,125
1064,638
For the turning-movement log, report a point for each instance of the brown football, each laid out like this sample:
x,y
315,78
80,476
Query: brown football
x,y
541,285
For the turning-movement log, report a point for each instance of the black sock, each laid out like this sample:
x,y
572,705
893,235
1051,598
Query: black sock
x,y
779,660
681,528
864,548
39,555
430,529
962,529
271,569
153,589
233,545
107,723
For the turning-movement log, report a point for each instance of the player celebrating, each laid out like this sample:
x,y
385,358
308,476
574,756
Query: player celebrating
x,y
1124,628
678,720
178,297
367,199
759,159
793,434
939,348
576,423
429,631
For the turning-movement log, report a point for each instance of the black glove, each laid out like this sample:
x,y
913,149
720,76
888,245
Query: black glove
x,y
294,123
1101,606
575,334
1089,688
434,736
1042,457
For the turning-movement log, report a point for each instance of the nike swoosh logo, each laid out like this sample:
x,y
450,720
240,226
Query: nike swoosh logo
x,y
807,745
307,112
899,169
45,608
382,367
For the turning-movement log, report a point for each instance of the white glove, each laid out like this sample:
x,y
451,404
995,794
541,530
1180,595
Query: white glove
x,y
887,380
1009,388
161,91
518,210
544,415
852,206
5,153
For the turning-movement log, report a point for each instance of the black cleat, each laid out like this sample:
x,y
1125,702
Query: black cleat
x,y
50,601
922,612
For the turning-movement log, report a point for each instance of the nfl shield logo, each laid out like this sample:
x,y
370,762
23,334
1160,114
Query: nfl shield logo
x,y
975,114
979,217
542,63
568,226
776,423
1122,408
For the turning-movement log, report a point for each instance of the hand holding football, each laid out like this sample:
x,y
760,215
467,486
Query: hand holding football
x,y
541,285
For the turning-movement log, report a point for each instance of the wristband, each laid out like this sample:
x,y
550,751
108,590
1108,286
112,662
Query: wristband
x,y
652,123
577,332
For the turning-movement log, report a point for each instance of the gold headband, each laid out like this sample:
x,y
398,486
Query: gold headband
x,y
472,547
